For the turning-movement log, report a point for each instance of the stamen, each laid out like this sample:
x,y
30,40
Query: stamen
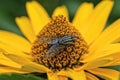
x,y
59,45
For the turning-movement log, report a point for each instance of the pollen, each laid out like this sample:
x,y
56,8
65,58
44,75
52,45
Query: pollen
x,y
55,46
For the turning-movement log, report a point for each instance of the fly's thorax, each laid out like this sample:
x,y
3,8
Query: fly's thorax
x,y
66,52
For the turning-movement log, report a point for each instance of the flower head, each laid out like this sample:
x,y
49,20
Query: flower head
x,y
80,50
62,44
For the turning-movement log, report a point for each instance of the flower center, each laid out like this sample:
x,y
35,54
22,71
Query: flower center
x,y
59,45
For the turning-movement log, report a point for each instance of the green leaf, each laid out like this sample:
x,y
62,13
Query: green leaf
x,y
15,76
117,67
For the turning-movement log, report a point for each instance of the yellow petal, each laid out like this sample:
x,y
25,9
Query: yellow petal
x,y
104,51
34,67
91,76
109,35
18,59
27,65
75,75
107,74
14,41
96,21
7,62
63,78
52,76
26,28
61,10
95,63
38,15
116,60
83,12
12,50
9,70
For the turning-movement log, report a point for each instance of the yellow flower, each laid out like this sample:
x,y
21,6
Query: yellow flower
x,y
80,50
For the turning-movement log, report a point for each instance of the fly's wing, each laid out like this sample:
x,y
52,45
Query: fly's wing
x,y
67,39
45,40
54,50
48,40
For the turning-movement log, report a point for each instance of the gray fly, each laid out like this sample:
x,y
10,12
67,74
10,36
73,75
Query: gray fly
x,y
57,44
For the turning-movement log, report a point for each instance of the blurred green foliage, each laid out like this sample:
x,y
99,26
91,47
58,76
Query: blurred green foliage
x,y
9,9
15,76
117,67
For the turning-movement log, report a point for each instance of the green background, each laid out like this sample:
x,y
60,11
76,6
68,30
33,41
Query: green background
x,y
9,9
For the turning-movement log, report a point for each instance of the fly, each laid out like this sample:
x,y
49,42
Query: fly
x,y
58,45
